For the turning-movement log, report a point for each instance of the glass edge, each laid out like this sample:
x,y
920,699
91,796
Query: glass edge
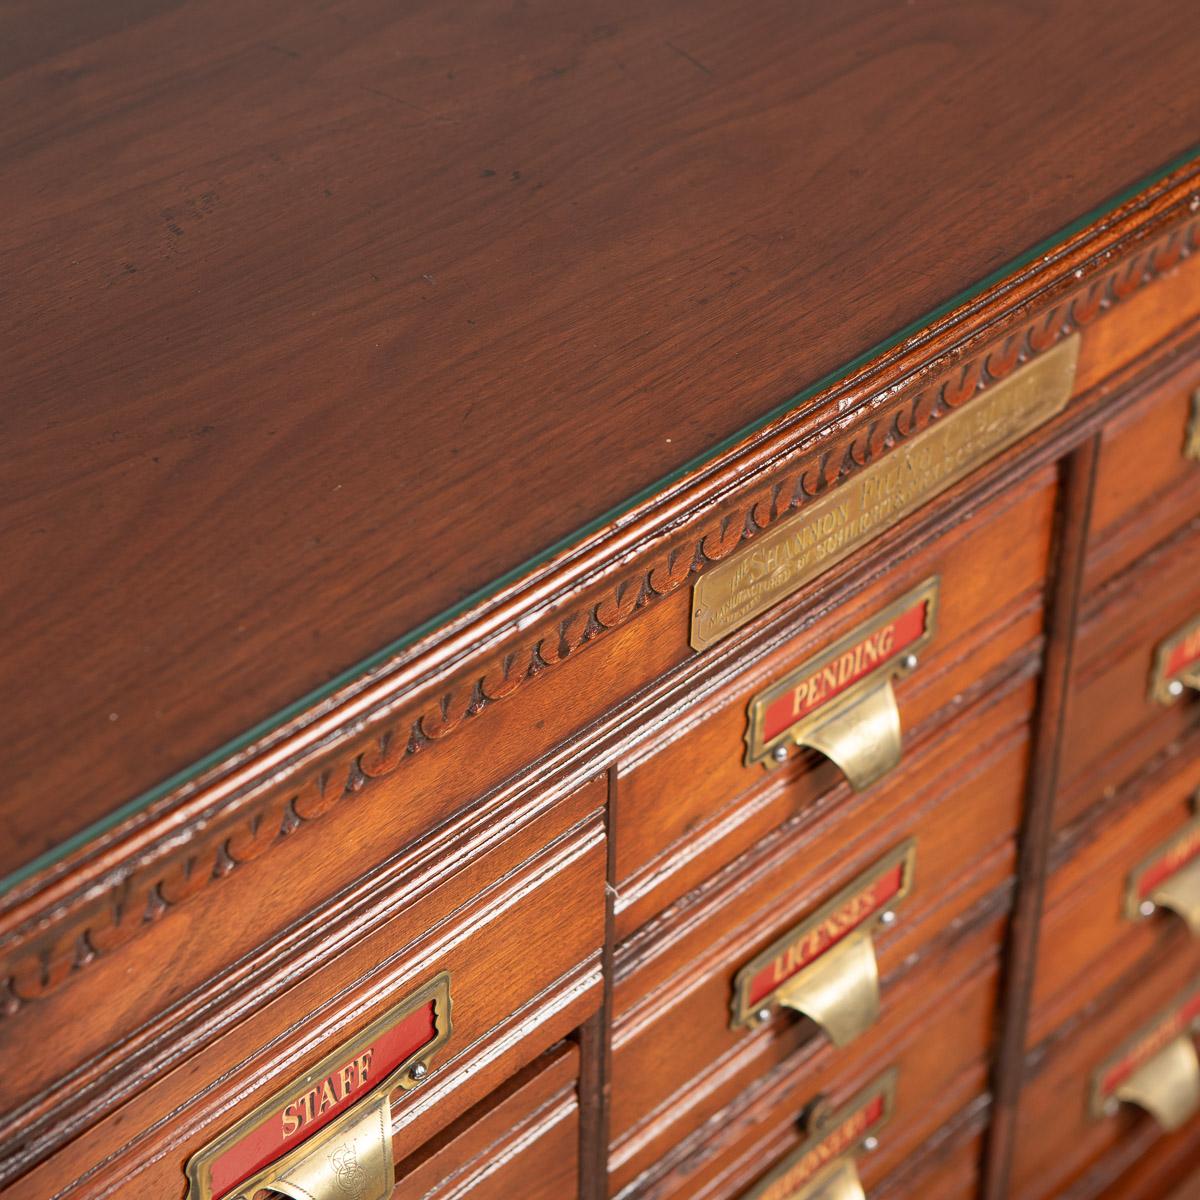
x,y
365,666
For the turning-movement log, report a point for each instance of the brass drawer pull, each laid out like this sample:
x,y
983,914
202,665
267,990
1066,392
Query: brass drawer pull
x,y
840,991
1167,1086
328,1136
841,702
1181,894
825,967
1157,1069
824,1166
1168,878
839,1181
350,1158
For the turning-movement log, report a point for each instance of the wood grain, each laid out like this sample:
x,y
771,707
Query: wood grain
x,y
521,1141
1087,942
1112,725
940,1073
325,317
680,794
153,1064
676,1061
1063,593
1058,1141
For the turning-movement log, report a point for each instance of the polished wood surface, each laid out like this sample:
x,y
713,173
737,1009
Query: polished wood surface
x,y
521,1141
546,797
1112,724
1136,507
1089,943
940,1074
517,921
322,318
676,1059
688,801
1059,1141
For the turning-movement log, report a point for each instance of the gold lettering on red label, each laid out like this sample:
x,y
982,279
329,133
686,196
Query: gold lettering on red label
x,y
840,1135
1144,1045
377,1058
880,887
869,653
1176,664
329,1093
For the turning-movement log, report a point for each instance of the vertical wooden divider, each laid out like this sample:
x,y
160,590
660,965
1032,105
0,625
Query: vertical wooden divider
x,y
1065,575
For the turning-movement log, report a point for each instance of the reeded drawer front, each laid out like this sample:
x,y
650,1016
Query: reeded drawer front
x,y
943,623
535,899
1148,475
778,954
876,1112
1137,665
1123,1073
1128,893
523,1140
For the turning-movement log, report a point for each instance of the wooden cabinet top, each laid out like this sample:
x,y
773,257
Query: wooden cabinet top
x,y
324,321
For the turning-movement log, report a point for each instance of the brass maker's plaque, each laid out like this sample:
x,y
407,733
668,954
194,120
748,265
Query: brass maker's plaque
x,y
330,1133
1169,878
840,702
1157,1069
825,966
822,1166
800,547
1176,664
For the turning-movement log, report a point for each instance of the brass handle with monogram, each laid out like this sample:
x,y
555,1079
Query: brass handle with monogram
x,y
328,1135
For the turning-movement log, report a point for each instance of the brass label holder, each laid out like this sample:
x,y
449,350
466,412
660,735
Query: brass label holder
x,y
798,548
1168,878
1176,664
840,702
824,1166
328,1136
1156,1070
825,967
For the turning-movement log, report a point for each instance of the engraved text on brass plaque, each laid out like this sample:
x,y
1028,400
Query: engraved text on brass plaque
x,y
799,548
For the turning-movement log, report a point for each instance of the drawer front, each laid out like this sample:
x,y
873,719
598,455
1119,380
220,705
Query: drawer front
x,y
705,787
523,1140
1147,476
808,1117
516,941
947,1170
1129,893
702,997
1133,685
1090,1093
1142,1169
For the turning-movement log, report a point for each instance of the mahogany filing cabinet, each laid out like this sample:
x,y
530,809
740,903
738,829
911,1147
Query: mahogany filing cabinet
x,y
601,600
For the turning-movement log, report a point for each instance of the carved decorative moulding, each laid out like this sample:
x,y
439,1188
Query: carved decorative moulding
x,y
97,899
